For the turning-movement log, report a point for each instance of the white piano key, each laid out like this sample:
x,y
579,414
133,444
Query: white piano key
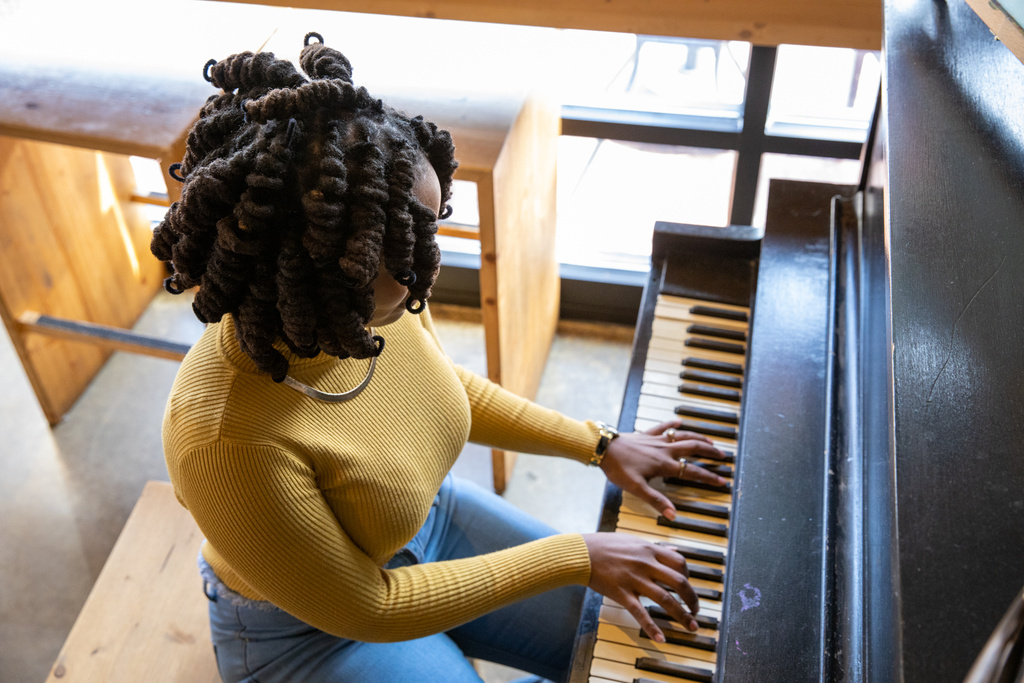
x,y
632,637
620,616
673,352
634,506
649,526
622,672
617,652
656,538
674,300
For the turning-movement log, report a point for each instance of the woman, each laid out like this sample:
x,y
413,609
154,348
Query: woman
x,y
316,461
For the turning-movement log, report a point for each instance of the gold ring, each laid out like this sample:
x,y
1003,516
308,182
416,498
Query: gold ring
x,y
670,434
682,466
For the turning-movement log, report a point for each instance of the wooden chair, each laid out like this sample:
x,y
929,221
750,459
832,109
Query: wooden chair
x,y
146,616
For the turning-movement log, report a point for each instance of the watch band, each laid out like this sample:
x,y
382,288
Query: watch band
x,y
607,434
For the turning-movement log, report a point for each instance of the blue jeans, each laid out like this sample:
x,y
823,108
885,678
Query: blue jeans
x,y
256,642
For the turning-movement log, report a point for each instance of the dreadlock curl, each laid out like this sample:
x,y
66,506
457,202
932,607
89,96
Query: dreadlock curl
x,y
320,61
293,193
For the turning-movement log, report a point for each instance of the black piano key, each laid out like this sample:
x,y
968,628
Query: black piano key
x,y
709,414
690,673
703,620
720,470
691,553
712,392
727,456
707,364
707,593
712,378
688,639
698,508
720,332
715,312
665,668
707,573
708,428
715,345
698,525
676,481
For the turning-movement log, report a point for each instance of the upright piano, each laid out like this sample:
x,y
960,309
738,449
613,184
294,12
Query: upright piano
x,y
862,362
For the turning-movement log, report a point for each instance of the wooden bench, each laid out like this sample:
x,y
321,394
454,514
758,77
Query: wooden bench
x,y
146,616
75,264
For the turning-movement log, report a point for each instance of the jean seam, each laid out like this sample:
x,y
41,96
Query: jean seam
x,y
245,645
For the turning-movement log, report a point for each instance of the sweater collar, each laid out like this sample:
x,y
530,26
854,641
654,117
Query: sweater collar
x,y
227,342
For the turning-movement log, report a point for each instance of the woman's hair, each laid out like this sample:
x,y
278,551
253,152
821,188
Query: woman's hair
x,y
293,190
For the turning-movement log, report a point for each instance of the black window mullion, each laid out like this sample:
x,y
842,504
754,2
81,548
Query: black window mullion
x,y
752,138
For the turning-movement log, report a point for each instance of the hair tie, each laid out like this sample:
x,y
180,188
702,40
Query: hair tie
x,y
411,305
206,70
380,344
312,34
172,286
406,278
172,171
446,212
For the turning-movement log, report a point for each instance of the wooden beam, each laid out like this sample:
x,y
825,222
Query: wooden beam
x,y
854,23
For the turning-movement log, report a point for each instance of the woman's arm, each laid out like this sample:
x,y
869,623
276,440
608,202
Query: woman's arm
x,y
261,510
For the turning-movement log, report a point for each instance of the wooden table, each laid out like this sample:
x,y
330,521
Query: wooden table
x,y
77,98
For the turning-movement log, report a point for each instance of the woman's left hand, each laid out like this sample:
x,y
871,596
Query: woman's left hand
x,y
635,457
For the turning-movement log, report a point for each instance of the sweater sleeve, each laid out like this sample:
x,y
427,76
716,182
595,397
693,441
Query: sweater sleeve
x,y
505,420
261,510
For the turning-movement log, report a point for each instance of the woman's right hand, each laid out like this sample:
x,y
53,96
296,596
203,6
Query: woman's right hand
x,y
624,567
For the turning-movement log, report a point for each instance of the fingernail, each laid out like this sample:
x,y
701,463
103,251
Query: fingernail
x,y
693,625
669,513
660,638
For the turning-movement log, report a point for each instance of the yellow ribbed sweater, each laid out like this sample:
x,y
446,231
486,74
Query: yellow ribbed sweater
x,y
302,502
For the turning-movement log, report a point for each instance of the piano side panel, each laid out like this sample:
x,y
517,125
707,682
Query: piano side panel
x,y
774,621
955,206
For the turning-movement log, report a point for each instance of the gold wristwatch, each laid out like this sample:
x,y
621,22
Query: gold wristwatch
x,y
607,433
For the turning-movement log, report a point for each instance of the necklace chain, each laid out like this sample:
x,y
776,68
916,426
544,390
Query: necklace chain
x,y
333,398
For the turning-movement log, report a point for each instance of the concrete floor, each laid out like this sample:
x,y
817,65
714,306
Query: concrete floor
x,y
65,492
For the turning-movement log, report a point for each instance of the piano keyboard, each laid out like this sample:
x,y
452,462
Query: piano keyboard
x,y
693,371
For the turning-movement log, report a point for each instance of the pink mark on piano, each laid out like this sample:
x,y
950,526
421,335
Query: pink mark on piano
x,y
739,648
752,600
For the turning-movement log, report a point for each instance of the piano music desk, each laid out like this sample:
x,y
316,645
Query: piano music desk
x,y
75,243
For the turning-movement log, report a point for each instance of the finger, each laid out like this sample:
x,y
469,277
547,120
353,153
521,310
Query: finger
x,y
635,608
656,499
683,435
693,472
698,448
679,583
672,559
668,602
658,430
